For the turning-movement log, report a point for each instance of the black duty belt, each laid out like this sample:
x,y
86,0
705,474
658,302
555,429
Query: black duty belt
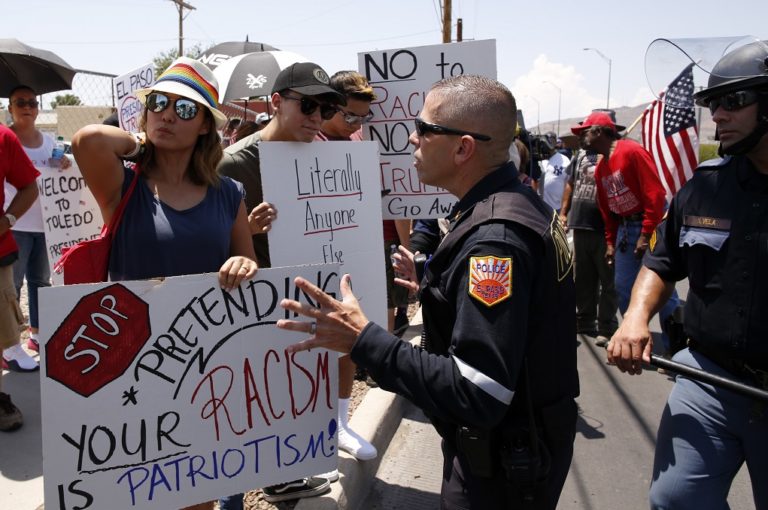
x,y
737,367
632,218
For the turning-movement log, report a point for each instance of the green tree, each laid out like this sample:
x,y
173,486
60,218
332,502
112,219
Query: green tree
x,y
164,59
65,100
707,151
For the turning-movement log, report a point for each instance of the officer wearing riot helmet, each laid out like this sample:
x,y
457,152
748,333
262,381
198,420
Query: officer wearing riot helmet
x,y
716,235
497,376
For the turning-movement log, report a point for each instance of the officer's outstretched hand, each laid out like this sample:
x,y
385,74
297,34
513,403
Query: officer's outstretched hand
x,y
631,345
335,325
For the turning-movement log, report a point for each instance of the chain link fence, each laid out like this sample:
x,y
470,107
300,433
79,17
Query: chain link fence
x,y
62,113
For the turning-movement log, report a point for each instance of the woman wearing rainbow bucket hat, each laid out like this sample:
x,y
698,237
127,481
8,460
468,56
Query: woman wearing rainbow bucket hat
x,y
182,217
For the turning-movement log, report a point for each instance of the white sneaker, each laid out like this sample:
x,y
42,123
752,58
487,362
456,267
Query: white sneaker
x,y
351,442
16,359
331,476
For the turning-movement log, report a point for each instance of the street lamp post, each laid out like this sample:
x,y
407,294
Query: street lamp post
x,y
559,99
608,101
538,113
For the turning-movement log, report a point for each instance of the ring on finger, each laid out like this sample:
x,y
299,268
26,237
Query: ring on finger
x,y
312,328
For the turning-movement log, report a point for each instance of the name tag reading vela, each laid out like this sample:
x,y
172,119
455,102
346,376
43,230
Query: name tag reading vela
x,y
157,393
323,182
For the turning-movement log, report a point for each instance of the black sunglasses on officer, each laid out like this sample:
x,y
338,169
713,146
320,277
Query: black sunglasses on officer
x,y
423,127
732,101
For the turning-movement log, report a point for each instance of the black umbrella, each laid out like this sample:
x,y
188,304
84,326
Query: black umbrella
x,y
43,71
252,74
217,55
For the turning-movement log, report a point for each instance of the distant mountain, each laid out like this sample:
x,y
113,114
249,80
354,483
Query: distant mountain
x,y
625,116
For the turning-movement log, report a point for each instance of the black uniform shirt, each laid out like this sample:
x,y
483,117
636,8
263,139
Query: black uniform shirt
x,y
716,234
484,328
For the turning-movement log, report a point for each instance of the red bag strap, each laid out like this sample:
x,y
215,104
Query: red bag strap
x,y
118,214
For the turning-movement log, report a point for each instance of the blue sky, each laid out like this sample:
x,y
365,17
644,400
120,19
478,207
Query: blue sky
x,y
536,42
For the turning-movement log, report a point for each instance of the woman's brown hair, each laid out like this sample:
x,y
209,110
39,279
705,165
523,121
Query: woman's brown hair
x,y
206,155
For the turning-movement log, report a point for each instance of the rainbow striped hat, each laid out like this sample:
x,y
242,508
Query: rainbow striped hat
x,y
189,78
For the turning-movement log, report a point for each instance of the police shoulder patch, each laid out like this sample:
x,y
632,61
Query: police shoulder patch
x,y
490,279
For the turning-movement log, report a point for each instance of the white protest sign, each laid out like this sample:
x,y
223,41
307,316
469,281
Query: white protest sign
x,y
327,196
162,394
401,79
128,107
70,213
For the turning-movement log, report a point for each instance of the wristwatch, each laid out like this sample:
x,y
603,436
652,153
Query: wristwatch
x,y
11,218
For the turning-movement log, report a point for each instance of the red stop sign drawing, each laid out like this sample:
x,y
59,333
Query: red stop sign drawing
x,y
98,340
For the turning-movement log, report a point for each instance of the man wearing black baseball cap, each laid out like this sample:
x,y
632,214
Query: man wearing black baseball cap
x,y
301,98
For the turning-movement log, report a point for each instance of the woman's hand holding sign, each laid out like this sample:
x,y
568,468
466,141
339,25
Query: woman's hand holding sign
x,y
335,324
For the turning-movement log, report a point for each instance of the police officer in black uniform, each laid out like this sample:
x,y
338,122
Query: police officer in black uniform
x,y
716,235
497,375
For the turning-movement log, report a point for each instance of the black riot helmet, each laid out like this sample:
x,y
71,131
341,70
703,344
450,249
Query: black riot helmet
x,y
744,69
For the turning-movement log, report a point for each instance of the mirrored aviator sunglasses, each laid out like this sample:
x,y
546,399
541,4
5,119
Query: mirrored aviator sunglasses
x,y
308,106
351,118
733,100
185,109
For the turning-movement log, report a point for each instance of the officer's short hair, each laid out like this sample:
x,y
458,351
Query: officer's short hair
x,y
478,104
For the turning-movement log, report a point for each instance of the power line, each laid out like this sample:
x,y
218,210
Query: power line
x,y
438,11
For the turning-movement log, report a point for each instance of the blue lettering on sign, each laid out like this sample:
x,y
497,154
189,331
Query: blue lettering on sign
x,y
188,471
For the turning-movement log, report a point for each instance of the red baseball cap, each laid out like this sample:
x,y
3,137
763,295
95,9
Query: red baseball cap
x,y
594,119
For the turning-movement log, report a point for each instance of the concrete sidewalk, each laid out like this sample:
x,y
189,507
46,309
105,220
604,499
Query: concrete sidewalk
x,y
21,453
376,419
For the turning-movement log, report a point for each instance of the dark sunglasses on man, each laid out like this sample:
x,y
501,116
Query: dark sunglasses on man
x,y
308,106
732,101
185,109
23,103
425,127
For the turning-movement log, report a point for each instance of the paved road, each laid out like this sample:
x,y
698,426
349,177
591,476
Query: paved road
x,y
614,445
613,459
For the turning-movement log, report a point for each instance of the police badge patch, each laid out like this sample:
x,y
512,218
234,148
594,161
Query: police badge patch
x,y
490,279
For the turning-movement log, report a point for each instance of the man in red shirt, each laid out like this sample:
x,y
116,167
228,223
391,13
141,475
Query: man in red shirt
x,y
18,171
632,202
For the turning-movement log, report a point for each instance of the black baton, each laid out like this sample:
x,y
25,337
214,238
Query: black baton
x,y
715,380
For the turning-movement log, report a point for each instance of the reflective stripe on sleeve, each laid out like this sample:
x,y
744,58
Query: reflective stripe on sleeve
x,y
485,383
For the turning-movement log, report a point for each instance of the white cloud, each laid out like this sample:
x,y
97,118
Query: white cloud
x,y
574,102
642,95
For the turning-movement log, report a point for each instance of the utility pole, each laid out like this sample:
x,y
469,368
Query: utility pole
x,y
446,21
459,30
180,6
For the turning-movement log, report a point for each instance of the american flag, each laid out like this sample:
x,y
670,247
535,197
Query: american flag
x,y
670,133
